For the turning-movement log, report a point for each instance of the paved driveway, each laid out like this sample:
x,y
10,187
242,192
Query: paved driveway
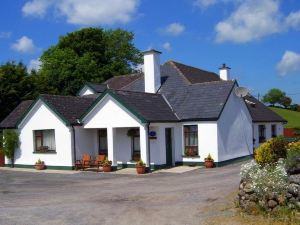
x,y
91,198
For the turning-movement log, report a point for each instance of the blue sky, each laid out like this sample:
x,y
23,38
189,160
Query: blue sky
x,y
258,39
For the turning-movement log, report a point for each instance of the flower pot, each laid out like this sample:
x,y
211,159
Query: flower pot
x,y
39,166
209,164
140,169
107,168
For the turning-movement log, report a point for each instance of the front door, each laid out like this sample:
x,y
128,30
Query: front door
x,y
169,154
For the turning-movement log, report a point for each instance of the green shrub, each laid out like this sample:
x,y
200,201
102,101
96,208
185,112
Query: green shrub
x,y
10,144
293,157
271,151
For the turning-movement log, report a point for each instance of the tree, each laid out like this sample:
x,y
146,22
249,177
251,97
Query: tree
x,y
87,55
15,85
285,101
273,96
10,144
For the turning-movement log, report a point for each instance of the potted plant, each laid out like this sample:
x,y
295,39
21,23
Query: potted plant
x,y
106,165
140,167
39,165
209,162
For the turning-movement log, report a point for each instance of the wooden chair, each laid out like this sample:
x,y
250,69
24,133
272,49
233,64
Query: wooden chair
x,y
98,161
86,162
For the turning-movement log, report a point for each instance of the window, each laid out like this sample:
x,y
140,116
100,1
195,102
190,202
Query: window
x,y
102,135
274,130
44,141
262,133
191,140
135,145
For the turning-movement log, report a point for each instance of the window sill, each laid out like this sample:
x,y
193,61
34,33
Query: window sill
x,y
196,156
50,152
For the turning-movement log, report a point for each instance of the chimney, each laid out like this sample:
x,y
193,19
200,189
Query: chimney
x,y
152,70
224,72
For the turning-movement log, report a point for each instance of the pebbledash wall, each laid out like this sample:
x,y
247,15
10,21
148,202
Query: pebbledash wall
x,y
41,117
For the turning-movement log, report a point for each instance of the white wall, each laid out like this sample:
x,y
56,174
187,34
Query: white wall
x,y
86,91
235,130
86,142
41,118
109,113
279,127
122,145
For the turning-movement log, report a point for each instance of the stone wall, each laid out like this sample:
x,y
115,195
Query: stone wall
x,y
248,199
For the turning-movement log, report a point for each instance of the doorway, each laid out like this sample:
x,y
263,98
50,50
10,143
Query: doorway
x,y
169,148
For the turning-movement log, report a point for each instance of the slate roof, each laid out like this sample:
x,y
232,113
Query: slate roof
x,y
152,107
186,94
11,120
98,88
69,107
119,82
261,113
195,75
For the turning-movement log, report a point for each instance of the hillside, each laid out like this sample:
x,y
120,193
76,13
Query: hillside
x,y
292,117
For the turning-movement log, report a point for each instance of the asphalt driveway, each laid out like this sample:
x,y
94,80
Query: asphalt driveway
x,y
90,198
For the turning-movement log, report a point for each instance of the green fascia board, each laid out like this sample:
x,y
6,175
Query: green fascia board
x,y
114,96
67,123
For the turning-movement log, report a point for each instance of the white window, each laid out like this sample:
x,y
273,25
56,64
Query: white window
x,y
44,141
191,140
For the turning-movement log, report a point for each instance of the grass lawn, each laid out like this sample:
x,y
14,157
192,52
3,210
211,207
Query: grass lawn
x,y
292,117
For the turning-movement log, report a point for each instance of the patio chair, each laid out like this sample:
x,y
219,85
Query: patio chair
x,y
86,162
98,161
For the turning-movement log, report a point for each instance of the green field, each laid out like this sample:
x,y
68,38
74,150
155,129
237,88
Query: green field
x,y
292,117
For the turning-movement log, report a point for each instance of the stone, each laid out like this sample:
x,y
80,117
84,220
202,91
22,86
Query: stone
x,y
291,206
293,189
241,193
288,195
272,204
248,188
281,200
247,196
272,196
297,204
253,198
294,179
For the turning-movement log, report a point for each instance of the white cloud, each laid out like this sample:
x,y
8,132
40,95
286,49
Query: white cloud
x,y
167,46
174,29
293,20
36,8
24,45
85,12
252,20
34,64
5,34
290,63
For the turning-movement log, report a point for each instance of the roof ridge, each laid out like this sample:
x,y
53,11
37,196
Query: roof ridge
x,y
214,81
139,92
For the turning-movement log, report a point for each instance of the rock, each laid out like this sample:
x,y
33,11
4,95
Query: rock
x,y
293,189
241,193
288,195
272,196
291,206
272,204
248,188
297,204
253,198
295,179
281,200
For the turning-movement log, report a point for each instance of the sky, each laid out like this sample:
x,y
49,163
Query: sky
x,y
258,39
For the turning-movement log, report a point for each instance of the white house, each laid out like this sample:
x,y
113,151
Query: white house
x,y
170,114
